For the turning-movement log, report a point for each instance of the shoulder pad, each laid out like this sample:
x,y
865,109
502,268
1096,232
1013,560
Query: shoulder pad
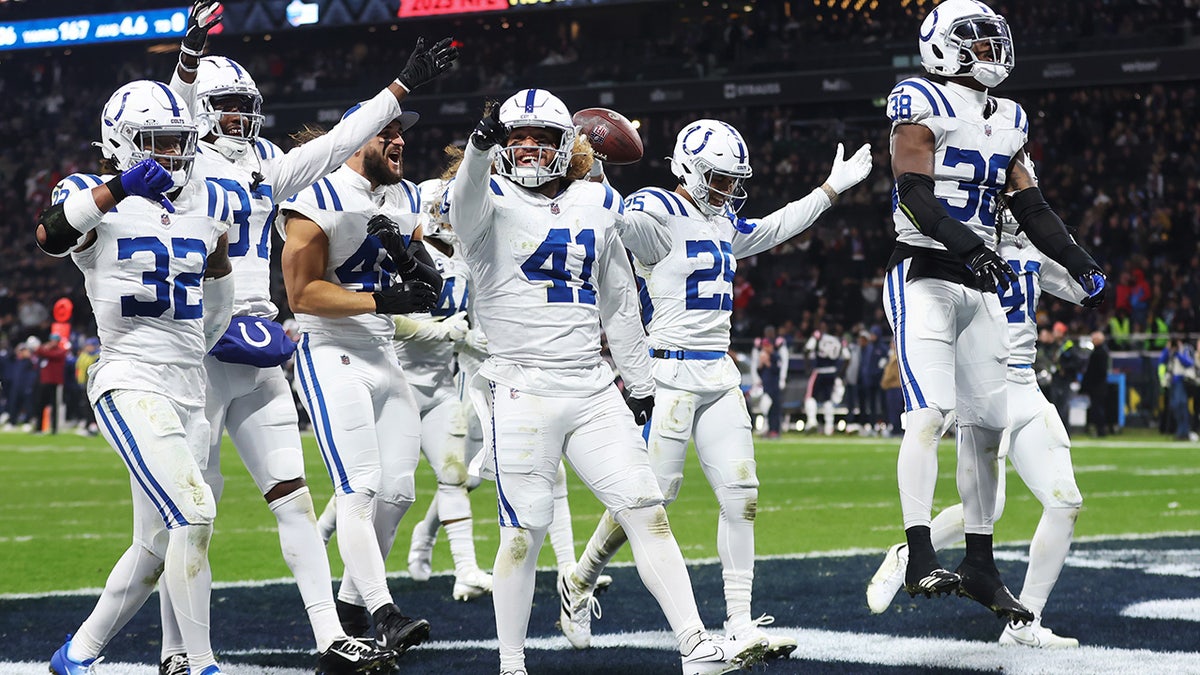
x,y
917,99
73,183
217,200
612,199
405,196
657,201
266,149
1010,113
321,194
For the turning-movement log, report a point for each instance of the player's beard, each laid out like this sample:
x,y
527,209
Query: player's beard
x,y
378,170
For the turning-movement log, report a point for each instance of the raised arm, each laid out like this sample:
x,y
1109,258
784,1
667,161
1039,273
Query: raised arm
x,y
470,201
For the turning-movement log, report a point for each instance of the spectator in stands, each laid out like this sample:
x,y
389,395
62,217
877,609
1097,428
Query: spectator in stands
x,y
1176,365
22,379
1095,384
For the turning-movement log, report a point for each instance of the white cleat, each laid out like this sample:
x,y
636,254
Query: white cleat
x,y
713,655
420,556
514,672
888,579
778,646
1035,635
472,584
575,611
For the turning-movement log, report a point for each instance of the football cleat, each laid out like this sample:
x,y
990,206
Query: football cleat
x,y
986,588
397,632
778,646
355,619
420,556
214,669
932,582
175,664
713,654
348,656
575,612
888,579
1034,634
514,672
61,664
472,584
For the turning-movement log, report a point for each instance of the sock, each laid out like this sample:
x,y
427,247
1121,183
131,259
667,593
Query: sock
x,y
601,547
562,535
1047,553
810,413
189,578
460,534
735,547
304,553
979,552
360,552
129,585
827,408
921,556
917,465
977,476
327,523
512,591
661,567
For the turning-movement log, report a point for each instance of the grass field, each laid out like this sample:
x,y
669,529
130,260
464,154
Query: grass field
x,y
65,513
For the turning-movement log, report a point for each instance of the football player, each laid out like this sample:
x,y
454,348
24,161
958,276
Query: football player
x,y
248,392
827,354
344,243
149,237
1035,441
685,244
549,270
954,149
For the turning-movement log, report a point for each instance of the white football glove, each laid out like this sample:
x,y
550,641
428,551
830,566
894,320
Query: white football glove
x,y
476,341
846,173
450,329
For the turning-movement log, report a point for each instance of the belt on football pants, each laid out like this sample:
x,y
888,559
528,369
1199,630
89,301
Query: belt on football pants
x,y
683,355
1020,365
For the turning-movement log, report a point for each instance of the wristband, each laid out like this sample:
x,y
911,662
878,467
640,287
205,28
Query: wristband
x,y
402,86
829,192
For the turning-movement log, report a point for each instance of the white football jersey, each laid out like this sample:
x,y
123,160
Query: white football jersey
x,y
971,152
1035,272
143,276
341,204
827,351
688,260
429,363
279,176
546,272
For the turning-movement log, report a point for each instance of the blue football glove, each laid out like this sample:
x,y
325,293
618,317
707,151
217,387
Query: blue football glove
x,y
148,179
1094,283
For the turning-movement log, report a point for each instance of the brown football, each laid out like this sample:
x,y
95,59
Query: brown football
x,y
613,137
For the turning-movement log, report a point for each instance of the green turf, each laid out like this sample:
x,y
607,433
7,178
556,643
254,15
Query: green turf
x,y
65,506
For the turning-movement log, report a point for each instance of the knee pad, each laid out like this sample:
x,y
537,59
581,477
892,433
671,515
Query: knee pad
x,y
453,469
927,423
400,490
198,505
453,503
284,464
738,502
538,513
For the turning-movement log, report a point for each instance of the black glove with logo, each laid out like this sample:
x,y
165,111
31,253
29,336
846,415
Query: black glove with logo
x,y
990,270
405,298
201,20
1094,283
425,64
641,408
490,131
388,233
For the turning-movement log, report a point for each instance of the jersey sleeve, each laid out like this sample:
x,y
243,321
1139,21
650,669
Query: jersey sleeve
x,y
620,316
1057,281
318,202
301,166
186,92
470,195
643,227
915,101
761,234
218,206
73,183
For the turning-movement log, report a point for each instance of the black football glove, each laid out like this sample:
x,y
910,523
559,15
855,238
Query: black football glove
x,y
1094,283
425,64
201,20
405,298
990,270
641,408
388,233
490,131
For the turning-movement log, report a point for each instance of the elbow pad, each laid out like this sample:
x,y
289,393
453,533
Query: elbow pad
x,y
218,308
60,236
1047,231
914,192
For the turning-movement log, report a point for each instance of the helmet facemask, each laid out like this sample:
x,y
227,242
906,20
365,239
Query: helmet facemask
x,y
144,119
245,107
158,142
970,31
532,166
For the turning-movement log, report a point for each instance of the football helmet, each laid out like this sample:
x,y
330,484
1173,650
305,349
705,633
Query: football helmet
x,y
435,211
146,119
708,149
949,34
536,108
225,88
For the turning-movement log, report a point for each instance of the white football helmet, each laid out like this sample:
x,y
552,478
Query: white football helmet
x,y
220,84
435,211
536,108
706,149
143,119
949,33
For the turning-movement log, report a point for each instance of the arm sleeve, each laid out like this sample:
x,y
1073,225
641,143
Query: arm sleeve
x,y
1056,281
218,308
302,166
470,196
780,226
185,91
621,317
643,228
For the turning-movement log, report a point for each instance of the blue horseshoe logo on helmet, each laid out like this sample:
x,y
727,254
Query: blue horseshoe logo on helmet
x,y
703,142
924,37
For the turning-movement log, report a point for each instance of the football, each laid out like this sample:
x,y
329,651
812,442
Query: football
x,y
613,137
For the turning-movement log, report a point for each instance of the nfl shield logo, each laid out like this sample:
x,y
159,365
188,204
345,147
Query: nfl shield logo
x,y
165,220
554,208
514,394
345,360
987,130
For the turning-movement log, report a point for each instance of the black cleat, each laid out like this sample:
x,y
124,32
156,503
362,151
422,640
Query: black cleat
x,y
986,588
349,656
932,581
355,619
175,664
397,632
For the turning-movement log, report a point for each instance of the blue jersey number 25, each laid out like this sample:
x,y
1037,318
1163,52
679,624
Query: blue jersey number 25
x,y
722,268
